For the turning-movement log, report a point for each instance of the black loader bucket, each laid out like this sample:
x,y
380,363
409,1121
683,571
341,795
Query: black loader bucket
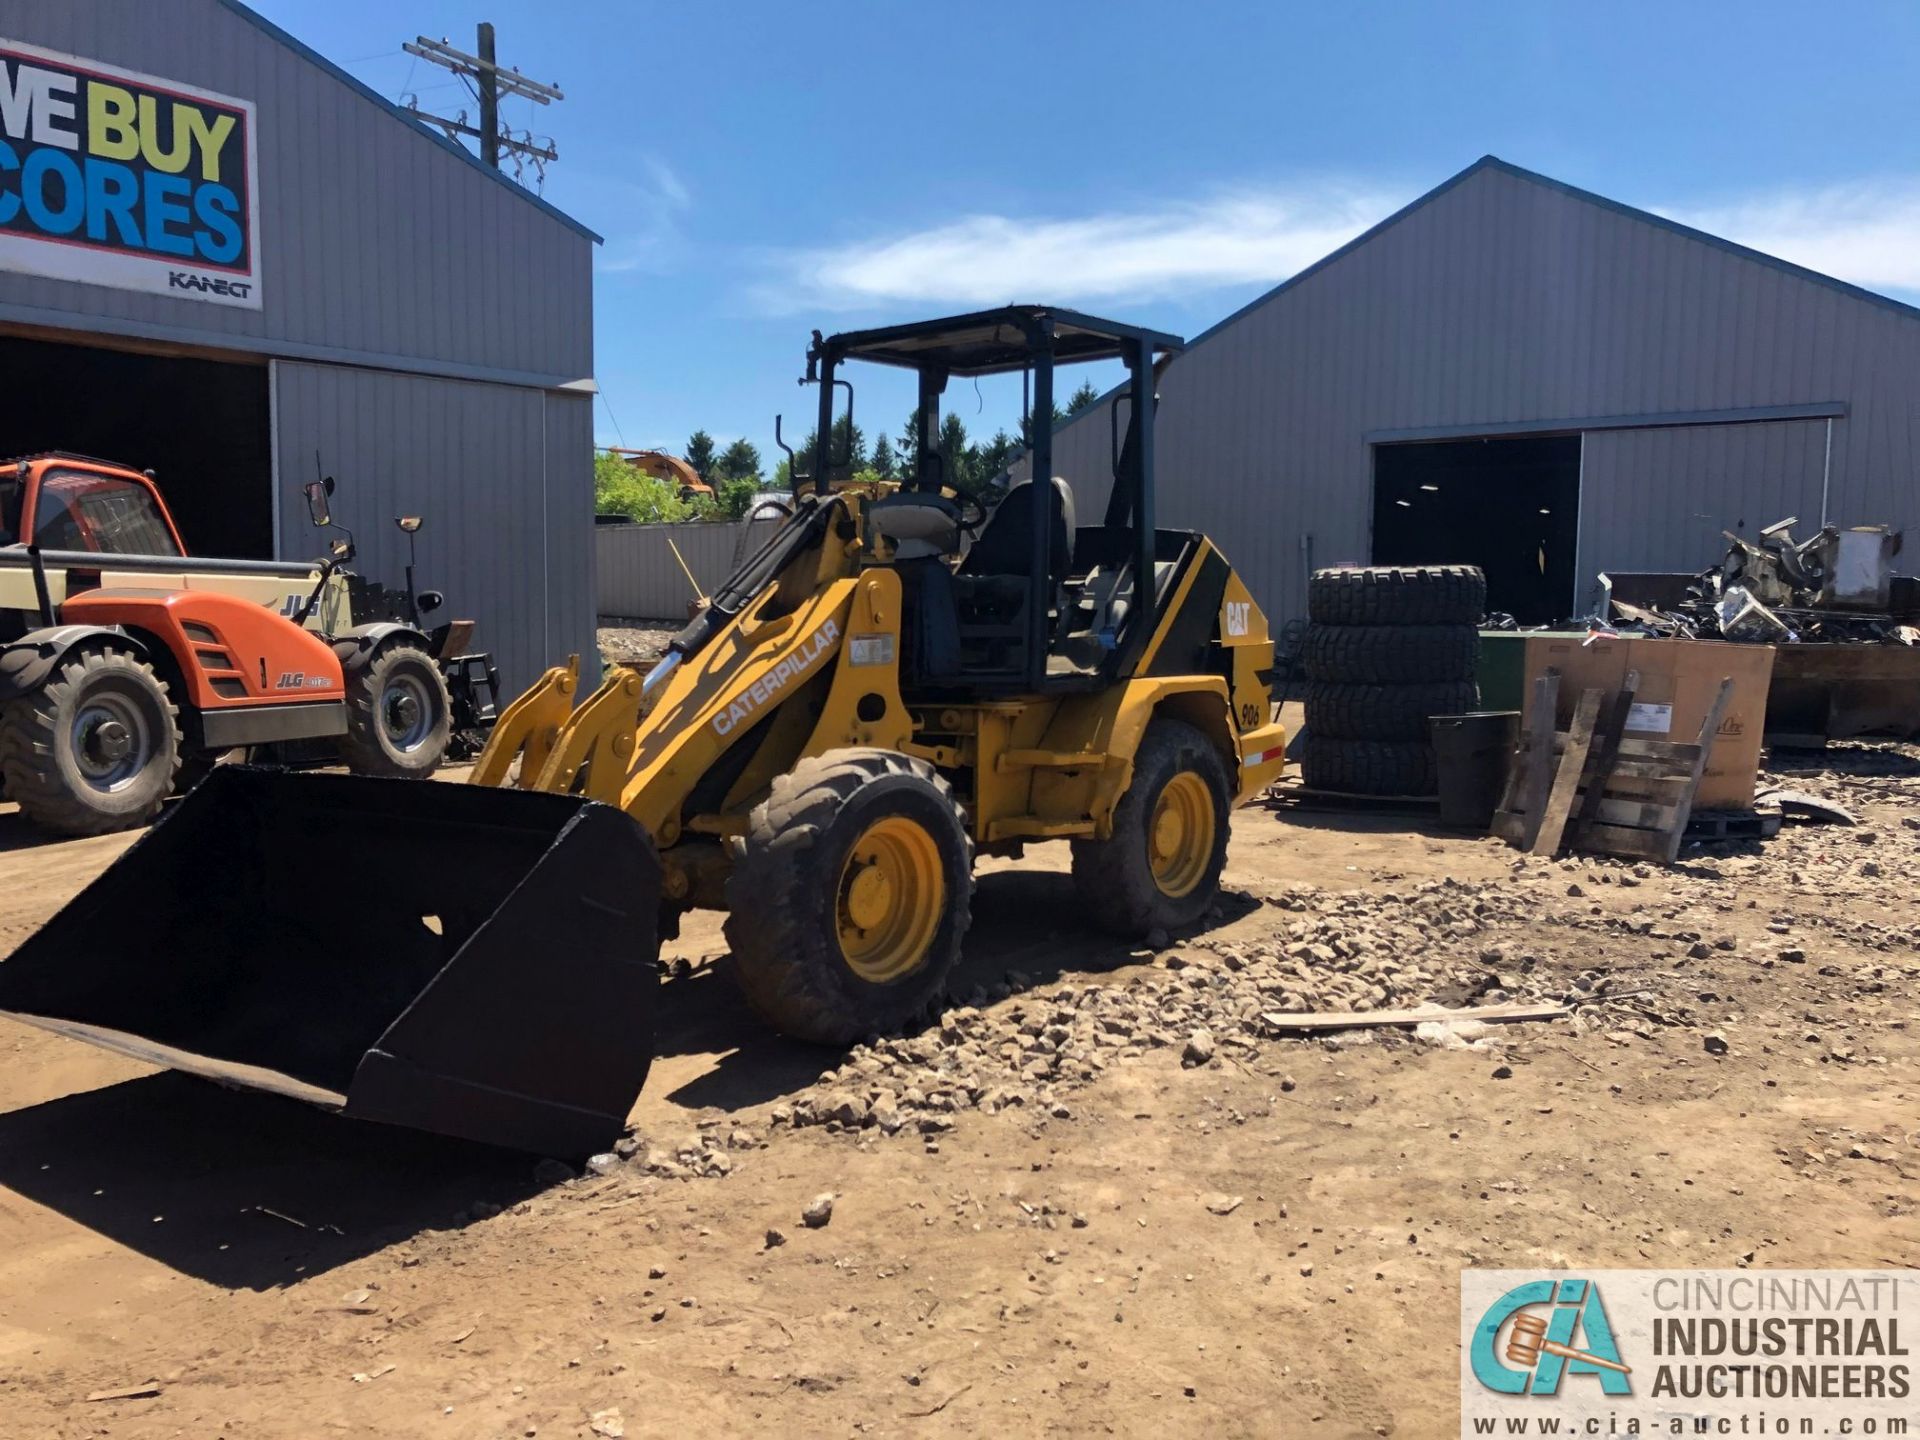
x,y
470,961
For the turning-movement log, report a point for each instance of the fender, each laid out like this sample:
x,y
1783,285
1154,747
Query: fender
x,y
26,664
357,647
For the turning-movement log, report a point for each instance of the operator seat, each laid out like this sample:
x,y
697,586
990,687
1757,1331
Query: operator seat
x,y
1005,542
990,585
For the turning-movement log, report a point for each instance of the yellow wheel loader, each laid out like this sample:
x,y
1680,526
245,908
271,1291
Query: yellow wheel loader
x,y
903,678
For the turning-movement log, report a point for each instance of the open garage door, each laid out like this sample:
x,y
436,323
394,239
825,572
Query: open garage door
x,y
1510,506
202,427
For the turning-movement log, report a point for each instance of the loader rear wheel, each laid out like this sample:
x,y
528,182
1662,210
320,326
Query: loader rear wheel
x,y
398,715
847,908
94,749
1161,867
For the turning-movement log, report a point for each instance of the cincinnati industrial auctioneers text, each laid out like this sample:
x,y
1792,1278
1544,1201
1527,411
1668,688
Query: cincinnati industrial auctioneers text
x,y
110,177
1770,1338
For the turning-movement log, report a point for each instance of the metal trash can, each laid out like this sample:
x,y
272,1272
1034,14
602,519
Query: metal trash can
x,y
1471,753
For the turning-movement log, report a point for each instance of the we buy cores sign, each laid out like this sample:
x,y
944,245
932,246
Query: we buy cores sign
x,y
110,177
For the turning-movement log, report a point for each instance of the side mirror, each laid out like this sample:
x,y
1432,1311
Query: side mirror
x,y
318,510
407,523
430,601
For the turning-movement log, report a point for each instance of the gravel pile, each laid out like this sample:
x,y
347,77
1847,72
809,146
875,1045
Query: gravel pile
x,y
1208,1002
634,642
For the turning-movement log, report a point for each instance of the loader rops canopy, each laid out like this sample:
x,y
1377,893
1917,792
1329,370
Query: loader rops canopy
x,y
992,342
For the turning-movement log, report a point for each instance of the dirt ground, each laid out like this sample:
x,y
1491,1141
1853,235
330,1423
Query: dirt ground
x,y
1103,1196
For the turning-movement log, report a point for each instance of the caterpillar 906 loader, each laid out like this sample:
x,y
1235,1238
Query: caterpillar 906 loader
x,y
900,680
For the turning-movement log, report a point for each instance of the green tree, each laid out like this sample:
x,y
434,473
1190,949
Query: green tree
x,y
907,447
995,456
1026,426
736,496
958,459
1083,399
700,453
882,459
619,489
850,441
739,461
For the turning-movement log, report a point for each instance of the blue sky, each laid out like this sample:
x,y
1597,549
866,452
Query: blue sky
x,y
759,169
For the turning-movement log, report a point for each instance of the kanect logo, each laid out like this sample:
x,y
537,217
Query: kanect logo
x,y
1517,1350
208,284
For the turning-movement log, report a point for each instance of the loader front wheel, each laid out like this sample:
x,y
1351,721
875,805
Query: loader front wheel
x,y
1160,869
398,715
95,748
846,910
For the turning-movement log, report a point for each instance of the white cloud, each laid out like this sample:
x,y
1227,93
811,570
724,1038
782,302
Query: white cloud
x,y
1245,236
640,218
1867,232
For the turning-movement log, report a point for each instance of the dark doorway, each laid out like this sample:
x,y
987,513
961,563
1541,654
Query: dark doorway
x,y
1512,507
201,426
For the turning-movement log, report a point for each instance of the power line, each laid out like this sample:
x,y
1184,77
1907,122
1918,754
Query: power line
x,y
489,82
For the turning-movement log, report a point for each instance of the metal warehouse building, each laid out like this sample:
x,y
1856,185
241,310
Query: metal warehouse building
x,y
1524,375
224,259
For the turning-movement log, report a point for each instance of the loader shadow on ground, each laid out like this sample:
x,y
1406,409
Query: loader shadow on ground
x,y
1029,928
179,1170
1423,821
19,833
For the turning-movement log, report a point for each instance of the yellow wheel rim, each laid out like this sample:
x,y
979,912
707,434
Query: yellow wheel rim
x,y
891,896
1180,836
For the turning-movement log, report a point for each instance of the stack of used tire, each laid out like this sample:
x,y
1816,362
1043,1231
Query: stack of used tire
x,y
1386,648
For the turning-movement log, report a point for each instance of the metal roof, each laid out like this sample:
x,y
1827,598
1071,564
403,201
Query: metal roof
x,y
1494,162
992,342
412,122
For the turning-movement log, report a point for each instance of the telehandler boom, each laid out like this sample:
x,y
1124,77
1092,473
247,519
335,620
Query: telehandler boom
x,y
904,677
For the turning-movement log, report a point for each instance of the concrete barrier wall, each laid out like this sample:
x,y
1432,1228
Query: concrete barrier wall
x,y
637,576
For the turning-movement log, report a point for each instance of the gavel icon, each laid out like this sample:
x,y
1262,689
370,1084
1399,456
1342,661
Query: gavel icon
x,y
1527,1342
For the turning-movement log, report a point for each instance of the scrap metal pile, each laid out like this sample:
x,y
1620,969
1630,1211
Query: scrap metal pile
x,y
1838,586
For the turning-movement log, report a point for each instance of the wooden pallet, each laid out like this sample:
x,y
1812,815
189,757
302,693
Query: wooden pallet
x,y
1733,824
1635,796
1304,797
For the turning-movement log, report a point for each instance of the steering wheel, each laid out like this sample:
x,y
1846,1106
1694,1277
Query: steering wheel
x,y
973,512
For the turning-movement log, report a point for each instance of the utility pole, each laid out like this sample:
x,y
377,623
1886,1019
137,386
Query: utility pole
x,y
489,98
489,82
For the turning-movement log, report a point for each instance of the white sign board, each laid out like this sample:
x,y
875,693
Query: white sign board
x,y
110,177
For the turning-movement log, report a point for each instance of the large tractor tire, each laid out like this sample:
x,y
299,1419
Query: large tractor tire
x,y
1391,654
1368,767
1160,869
398,715
1398,595
1384,712
95,748
847,908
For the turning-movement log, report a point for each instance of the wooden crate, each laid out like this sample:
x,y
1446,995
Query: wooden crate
x,y
1594,788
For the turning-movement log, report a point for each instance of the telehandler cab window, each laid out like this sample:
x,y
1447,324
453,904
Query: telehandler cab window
x,y
97,512
9,510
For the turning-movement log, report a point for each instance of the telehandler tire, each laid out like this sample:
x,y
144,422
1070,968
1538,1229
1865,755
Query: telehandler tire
x,y
1161,867
1398,595
847,908
398,715
95,748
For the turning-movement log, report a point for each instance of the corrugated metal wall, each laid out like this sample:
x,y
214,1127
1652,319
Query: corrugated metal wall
x,y
492,470
1702,480
413,274
375,241
638,576
1502,300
